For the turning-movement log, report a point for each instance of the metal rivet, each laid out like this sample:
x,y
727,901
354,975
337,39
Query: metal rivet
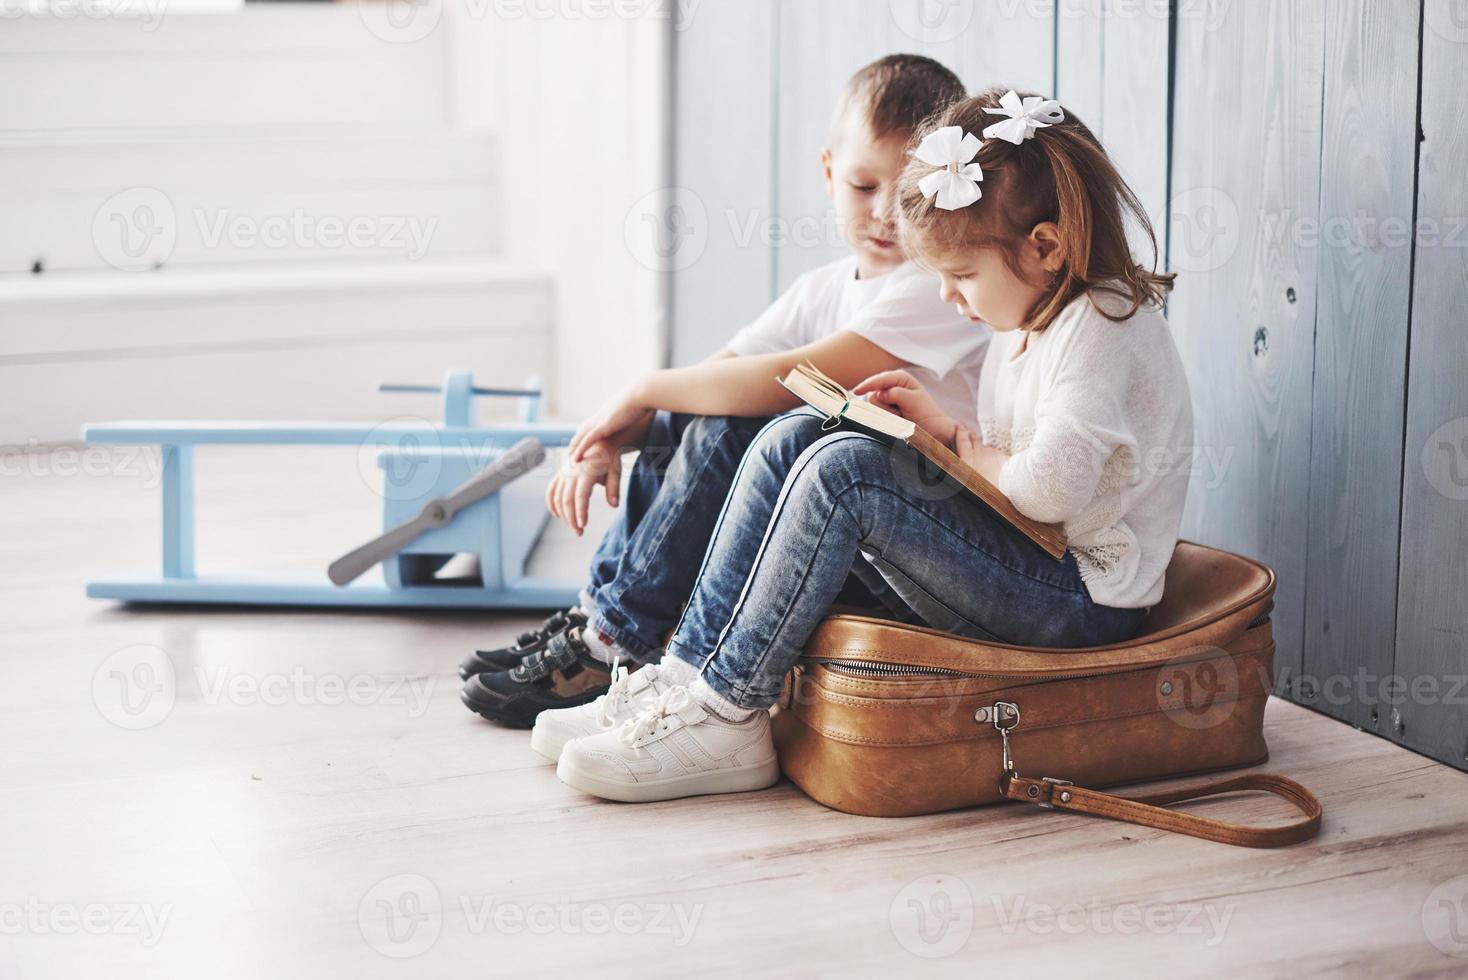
x,y
1065,797
982,715
1167,687
1033,791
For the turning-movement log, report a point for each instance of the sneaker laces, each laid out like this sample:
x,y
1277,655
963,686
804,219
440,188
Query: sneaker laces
x,y
609,702
650,719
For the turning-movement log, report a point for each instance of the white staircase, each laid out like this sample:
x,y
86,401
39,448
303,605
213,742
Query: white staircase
x,y
257,213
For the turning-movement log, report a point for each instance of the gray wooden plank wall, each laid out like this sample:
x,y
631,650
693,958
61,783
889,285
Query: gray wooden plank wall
x,y
1245,167
724,84
1364,287
1432,614
1276,144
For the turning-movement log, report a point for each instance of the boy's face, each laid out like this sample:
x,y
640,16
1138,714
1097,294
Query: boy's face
x,y
861,179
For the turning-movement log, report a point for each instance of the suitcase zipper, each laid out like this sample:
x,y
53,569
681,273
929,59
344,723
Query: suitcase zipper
x,y
865,669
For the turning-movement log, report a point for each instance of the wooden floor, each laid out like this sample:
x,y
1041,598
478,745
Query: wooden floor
x,y
316,803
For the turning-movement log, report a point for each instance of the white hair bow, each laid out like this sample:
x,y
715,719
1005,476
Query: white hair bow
x,y
956,181
1024,117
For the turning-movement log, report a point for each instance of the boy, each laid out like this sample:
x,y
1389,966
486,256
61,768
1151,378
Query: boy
x,y
866,313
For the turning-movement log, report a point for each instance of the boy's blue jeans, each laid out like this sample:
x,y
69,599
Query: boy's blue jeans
x,y
645,566
807,504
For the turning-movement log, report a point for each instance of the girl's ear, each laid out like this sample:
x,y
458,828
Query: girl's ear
x,y
1044,238
826,169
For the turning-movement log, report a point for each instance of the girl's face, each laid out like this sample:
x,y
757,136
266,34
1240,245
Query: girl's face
x,y
984,288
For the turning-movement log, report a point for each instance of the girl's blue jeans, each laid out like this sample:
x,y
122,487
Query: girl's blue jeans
x,y
645,566
809,506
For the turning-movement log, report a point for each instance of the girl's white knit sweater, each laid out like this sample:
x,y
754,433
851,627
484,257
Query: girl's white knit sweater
x,y
1098,422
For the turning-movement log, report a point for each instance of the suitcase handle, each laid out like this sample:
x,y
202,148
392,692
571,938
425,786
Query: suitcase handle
x,y
1150,810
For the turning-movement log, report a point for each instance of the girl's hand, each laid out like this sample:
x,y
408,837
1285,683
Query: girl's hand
x,y
986,459
568,497
625,411
898,391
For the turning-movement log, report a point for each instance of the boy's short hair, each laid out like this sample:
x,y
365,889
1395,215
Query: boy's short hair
x,y
896,93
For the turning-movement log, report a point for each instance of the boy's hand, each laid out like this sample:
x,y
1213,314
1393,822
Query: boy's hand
x,y
612,423
898,391
568,497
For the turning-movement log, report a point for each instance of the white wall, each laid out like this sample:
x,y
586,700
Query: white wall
x,y
520,140
578,101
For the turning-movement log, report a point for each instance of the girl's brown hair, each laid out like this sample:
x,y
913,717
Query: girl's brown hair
x,y
1061,175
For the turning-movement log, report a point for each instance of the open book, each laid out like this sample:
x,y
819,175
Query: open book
x,y
807,383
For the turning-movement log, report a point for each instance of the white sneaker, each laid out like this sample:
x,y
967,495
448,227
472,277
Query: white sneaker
x,y
631,691
672,748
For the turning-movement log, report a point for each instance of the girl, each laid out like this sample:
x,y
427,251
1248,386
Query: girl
x,y
1085,420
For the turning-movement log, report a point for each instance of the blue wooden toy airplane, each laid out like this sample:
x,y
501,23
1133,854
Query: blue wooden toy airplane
x,y
448,490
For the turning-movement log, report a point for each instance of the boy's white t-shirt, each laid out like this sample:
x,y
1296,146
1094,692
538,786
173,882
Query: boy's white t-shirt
x,y
900,312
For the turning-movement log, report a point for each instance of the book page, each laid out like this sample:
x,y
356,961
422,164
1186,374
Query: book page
x,y
820,391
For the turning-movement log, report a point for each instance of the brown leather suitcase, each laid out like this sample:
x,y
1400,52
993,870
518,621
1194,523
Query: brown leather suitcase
x,y
884,719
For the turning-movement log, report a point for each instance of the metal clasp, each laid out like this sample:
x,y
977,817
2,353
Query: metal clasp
x,y
1004,715
1064,797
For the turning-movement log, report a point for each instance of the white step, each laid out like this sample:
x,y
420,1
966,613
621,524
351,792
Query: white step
x,y
305,341
266,64
140,199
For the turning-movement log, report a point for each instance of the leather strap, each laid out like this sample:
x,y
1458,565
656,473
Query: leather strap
x,y
1150,810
